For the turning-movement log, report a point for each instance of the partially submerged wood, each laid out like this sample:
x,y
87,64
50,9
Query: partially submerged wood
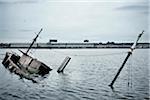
x,y
64,64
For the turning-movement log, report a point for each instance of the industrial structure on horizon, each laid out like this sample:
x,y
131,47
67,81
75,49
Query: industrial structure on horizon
x,y
53,44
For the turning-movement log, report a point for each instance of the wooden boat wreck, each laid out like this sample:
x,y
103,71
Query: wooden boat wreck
x,y
25,66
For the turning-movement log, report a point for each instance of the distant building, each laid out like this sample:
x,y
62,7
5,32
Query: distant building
x,y
110,42
100,43
86,40
52,40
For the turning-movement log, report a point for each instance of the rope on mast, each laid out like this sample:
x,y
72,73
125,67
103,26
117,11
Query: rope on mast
x,y
128,55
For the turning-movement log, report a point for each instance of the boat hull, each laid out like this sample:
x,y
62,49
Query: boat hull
x,y
25,66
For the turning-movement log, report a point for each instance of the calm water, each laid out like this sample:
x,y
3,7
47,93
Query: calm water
x,y
86,77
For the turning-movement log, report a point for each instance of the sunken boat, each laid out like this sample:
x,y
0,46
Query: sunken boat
x,y
25,66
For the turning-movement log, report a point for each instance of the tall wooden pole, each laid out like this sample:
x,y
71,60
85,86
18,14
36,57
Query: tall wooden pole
x,y
128,55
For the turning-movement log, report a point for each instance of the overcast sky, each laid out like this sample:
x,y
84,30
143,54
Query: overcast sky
x,y
73,20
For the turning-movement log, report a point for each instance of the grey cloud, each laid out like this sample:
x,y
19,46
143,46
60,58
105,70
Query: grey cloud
x,y
134,7
19,2
143,8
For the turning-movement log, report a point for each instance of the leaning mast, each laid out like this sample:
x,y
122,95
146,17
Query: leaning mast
x,y
128,55
34,40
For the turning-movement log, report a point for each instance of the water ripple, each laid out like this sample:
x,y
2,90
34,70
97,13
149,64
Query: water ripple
x,y
84,79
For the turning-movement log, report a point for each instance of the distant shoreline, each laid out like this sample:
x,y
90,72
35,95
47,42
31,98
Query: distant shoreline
x,y
56,45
